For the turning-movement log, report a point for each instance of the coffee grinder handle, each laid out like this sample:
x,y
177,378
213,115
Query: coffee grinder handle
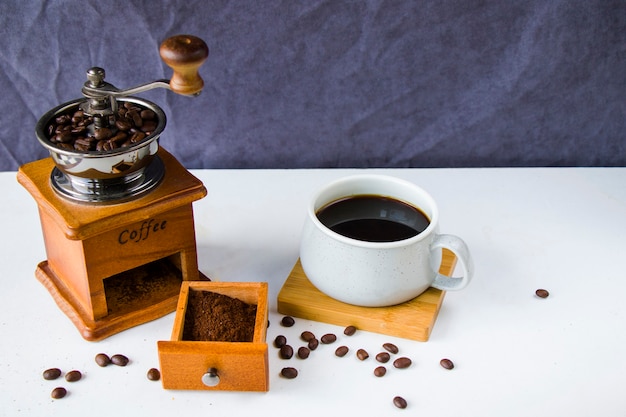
x,y
185,54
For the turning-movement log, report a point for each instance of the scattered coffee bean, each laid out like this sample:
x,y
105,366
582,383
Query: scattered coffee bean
x,y
58,393
153,374
328,338
349,331
402,363
52,373
383,357
362,354
304,352
102,359
287,321
341,351
307,336
446,363
380,371
286,352
289,373
391,348
119,360
541,293
73,376
313,344
399,402
280,341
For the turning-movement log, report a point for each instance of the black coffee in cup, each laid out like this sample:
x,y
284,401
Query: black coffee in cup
x,y
373,218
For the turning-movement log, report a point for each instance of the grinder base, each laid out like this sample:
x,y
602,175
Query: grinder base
x,y
110,267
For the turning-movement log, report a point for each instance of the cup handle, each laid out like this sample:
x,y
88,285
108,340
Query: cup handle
x,y
458,247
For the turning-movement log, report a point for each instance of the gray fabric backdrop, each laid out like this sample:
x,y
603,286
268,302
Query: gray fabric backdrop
x,y
293,84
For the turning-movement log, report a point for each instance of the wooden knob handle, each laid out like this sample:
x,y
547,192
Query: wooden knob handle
x,y
184,54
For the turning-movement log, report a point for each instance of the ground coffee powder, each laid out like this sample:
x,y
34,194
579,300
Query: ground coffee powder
x,y
213,317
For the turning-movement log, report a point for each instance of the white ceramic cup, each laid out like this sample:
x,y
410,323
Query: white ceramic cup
x,y
376,274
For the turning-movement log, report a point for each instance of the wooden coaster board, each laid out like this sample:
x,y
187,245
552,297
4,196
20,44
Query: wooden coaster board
x,y
413,319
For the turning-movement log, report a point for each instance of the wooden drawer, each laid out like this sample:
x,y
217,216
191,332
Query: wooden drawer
x,y
225,366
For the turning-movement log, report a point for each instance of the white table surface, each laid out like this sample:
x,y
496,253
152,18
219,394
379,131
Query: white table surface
x,y
515,354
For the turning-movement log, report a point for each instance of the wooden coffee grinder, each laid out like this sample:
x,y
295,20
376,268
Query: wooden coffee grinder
x,y
115,208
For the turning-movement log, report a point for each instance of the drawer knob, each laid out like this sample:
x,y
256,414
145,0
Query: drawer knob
x,y
211,378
